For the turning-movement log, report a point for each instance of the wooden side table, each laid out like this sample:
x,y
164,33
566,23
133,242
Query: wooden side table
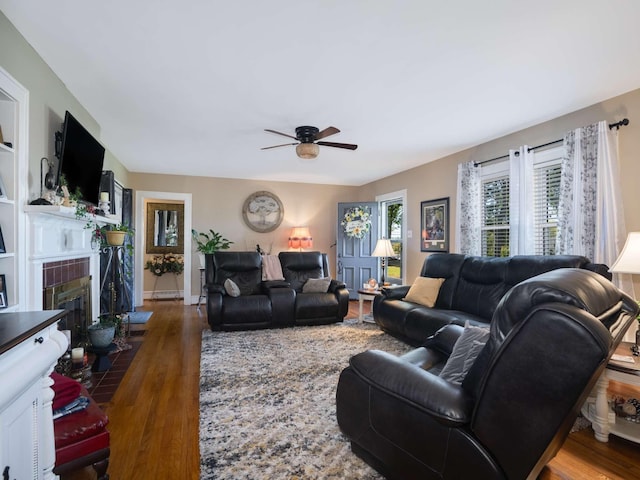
x,y
598,411
362,296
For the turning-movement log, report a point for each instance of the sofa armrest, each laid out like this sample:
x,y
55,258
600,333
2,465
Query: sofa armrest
x,y
444,339
267,284
336,285
449,404
395,293
282,305
214,288
214,307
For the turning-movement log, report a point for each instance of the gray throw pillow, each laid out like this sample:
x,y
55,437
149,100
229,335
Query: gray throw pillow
x,y
316,285
464,353
231,288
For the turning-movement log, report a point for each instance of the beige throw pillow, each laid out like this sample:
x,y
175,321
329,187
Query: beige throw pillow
x,y
424,291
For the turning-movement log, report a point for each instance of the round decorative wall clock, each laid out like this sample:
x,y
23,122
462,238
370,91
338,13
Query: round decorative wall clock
x,y
262,212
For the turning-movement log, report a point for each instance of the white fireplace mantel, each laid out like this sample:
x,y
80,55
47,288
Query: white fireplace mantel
x,y
55,234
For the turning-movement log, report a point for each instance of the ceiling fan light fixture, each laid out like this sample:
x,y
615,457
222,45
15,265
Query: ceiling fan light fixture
x,y
308,151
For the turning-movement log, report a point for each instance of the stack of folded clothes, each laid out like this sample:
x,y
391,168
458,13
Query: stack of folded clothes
x,y
66,398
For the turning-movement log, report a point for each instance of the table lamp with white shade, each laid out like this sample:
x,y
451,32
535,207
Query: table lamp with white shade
x,y
383,250
629,259
629,262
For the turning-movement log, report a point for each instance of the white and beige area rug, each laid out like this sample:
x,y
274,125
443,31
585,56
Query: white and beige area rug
x,y
267,402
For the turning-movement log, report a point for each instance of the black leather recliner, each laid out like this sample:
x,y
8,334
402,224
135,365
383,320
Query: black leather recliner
x,y
549,342
260,305
314,308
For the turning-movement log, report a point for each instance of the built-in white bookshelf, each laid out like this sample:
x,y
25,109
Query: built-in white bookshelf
x,y
13,186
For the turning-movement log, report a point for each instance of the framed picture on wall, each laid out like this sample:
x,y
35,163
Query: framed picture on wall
x,y
434,225
3,292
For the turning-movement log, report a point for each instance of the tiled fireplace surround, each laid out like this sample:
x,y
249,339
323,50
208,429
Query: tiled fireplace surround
x,y
62,271
60,250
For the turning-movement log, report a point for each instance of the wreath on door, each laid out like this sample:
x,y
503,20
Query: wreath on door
x,y
356,222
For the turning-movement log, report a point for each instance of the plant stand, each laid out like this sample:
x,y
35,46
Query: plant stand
x,y
154,294
102,361
114,256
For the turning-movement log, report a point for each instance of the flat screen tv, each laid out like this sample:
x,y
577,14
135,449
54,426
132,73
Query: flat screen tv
x,y
81,160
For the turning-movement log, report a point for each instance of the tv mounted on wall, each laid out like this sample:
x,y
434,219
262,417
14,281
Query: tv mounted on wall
x,y
80,160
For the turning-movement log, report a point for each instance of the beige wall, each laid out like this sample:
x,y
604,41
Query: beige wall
x,y
438,179
48,101
217,204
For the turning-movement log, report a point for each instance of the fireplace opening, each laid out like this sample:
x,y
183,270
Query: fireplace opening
x,y
74,296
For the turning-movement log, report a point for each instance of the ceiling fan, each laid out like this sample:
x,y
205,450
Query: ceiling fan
x,y
307,141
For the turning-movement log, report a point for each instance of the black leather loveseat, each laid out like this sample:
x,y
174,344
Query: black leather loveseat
x,y
472,288
271,303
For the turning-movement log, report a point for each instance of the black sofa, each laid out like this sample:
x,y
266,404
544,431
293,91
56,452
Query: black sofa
x,y
270,304
549,342
472,288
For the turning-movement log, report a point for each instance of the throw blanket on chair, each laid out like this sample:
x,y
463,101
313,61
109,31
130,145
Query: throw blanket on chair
x,y
271,268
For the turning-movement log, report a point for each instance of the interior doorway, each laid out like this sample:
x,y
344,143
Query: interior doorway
x,y
142,198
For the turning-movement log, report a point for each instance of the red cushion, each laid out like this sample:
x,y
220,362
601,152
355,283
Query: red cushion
x,y
79,426
65,390
80,449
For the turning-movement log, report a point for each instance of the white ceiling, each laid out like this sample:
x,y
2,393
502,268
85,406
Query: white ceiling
x,y
189,87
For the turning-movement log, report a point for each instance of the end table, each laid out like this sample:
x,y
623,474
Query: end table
x,y
366,294
603,418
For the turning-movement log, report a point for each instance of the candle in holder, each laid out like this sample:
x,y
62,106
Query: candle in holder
x,y
104,196
77,357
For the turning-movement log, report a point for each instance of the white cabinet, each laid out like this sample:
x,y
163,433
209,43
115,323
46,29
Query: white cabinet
x,y
18,427
30,344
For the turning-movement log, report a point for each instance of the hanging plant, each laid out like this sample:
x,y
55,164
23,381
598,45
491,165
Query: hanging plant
x,y
356,222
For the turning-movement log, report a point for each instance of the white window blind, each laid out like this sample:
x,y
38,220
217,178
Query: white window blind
x,y
545,204
495,216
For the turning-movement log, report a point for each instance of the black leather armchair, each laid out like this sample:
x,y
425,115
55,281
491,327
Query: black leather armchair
x,y
314,308
549,342
260,304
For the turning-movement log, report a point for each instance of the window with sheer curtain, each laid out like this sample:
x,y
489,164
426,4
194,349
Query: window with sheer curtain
x,y
564,200
496,213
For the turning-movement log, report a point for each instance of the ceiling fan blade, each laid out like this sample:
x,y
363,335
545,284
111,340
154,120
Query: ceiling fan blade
x,y
276,146
326,132
280,133
348,146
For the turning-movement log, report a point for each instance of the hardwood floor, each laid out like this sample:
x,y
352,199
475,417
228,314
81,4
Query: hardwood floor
x,y
154,413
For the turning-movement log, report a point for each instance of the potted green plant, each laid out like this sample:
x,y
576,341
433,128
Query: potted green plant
x,y
115,234
209,243
101,334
